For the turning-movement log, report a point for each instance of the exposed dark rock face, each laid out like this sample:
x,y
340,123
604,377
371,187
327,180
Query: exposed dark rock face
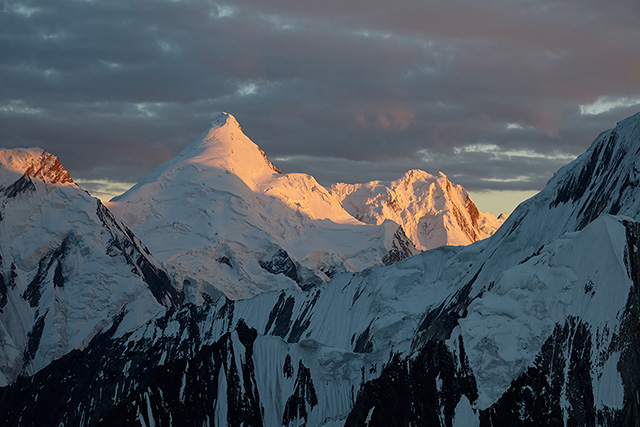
x,y
34,289
562,370
303,320
629,341
4,286
304,398
34,339
137,255
439,323
280,263
115,382
363,342
280,316
177,390
48,169
3,292
22,185
281,322
224,260
416,391
401,248
58,277
287,368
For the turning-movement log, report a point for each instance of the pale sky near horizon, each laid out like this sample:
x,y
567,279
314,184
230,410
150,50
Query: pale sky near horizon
x,y
498,94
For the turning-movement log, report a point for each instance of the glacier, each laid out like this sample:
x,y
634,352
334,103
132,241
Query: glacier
x,y
535,325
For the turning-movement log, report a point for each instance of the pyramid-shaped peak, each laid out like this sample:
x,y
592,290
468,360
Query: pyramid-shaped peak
x,y
224,119
225,145
221,150
33,162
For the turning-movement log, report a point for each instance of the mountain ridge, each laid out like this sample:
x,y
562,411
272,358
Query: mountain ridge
x,y
444,214
222,182
536,325
68,268
34,163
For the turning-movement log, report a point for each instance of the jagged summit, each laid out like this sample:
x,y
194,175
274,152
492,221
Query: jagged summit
x,y
536,325
221,199
34,163
430,208
68,269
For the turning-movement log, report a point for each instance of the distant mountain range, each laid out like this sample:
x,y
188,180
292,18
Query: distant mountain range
x,y
535,325
222,217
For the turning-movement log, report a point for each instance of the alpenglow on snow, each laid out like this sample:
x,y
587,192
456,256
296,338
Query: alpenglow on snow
x,y
239,226
535,325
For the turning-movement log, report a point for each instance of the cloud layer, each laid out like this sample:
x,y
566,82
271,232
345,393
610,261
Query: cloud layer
x,y
496,94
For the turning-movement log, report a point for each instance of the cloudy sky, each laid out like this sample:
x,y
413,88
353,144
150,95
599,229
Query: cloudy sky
x,y
497,94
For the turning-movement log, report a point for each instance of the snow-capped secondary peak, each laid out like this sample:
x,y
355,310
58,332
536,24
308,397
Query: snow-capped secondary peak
x,y
69,270
430,208
34,163
537,325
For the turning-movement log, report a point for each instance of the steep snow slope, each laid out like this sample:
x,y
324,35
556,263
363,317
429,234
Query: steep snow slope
x,y
347,351
432,211
548,315
506,327
603,180
221,216
278,358
536,325
67,267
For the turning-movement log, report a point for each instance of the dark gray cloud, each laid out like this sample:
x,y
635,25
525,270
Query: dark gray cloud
x,y
491,93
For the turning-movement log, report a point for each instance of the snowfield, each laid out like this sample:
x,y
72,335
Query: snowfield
x,y
220,211
535,325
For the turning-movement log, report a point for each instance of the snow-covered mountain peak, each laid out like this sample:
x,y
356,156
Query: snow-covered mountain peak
x,y
537,325
34,163
225,146
69,270
221,199
431,209
225,119
225,159
602,180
